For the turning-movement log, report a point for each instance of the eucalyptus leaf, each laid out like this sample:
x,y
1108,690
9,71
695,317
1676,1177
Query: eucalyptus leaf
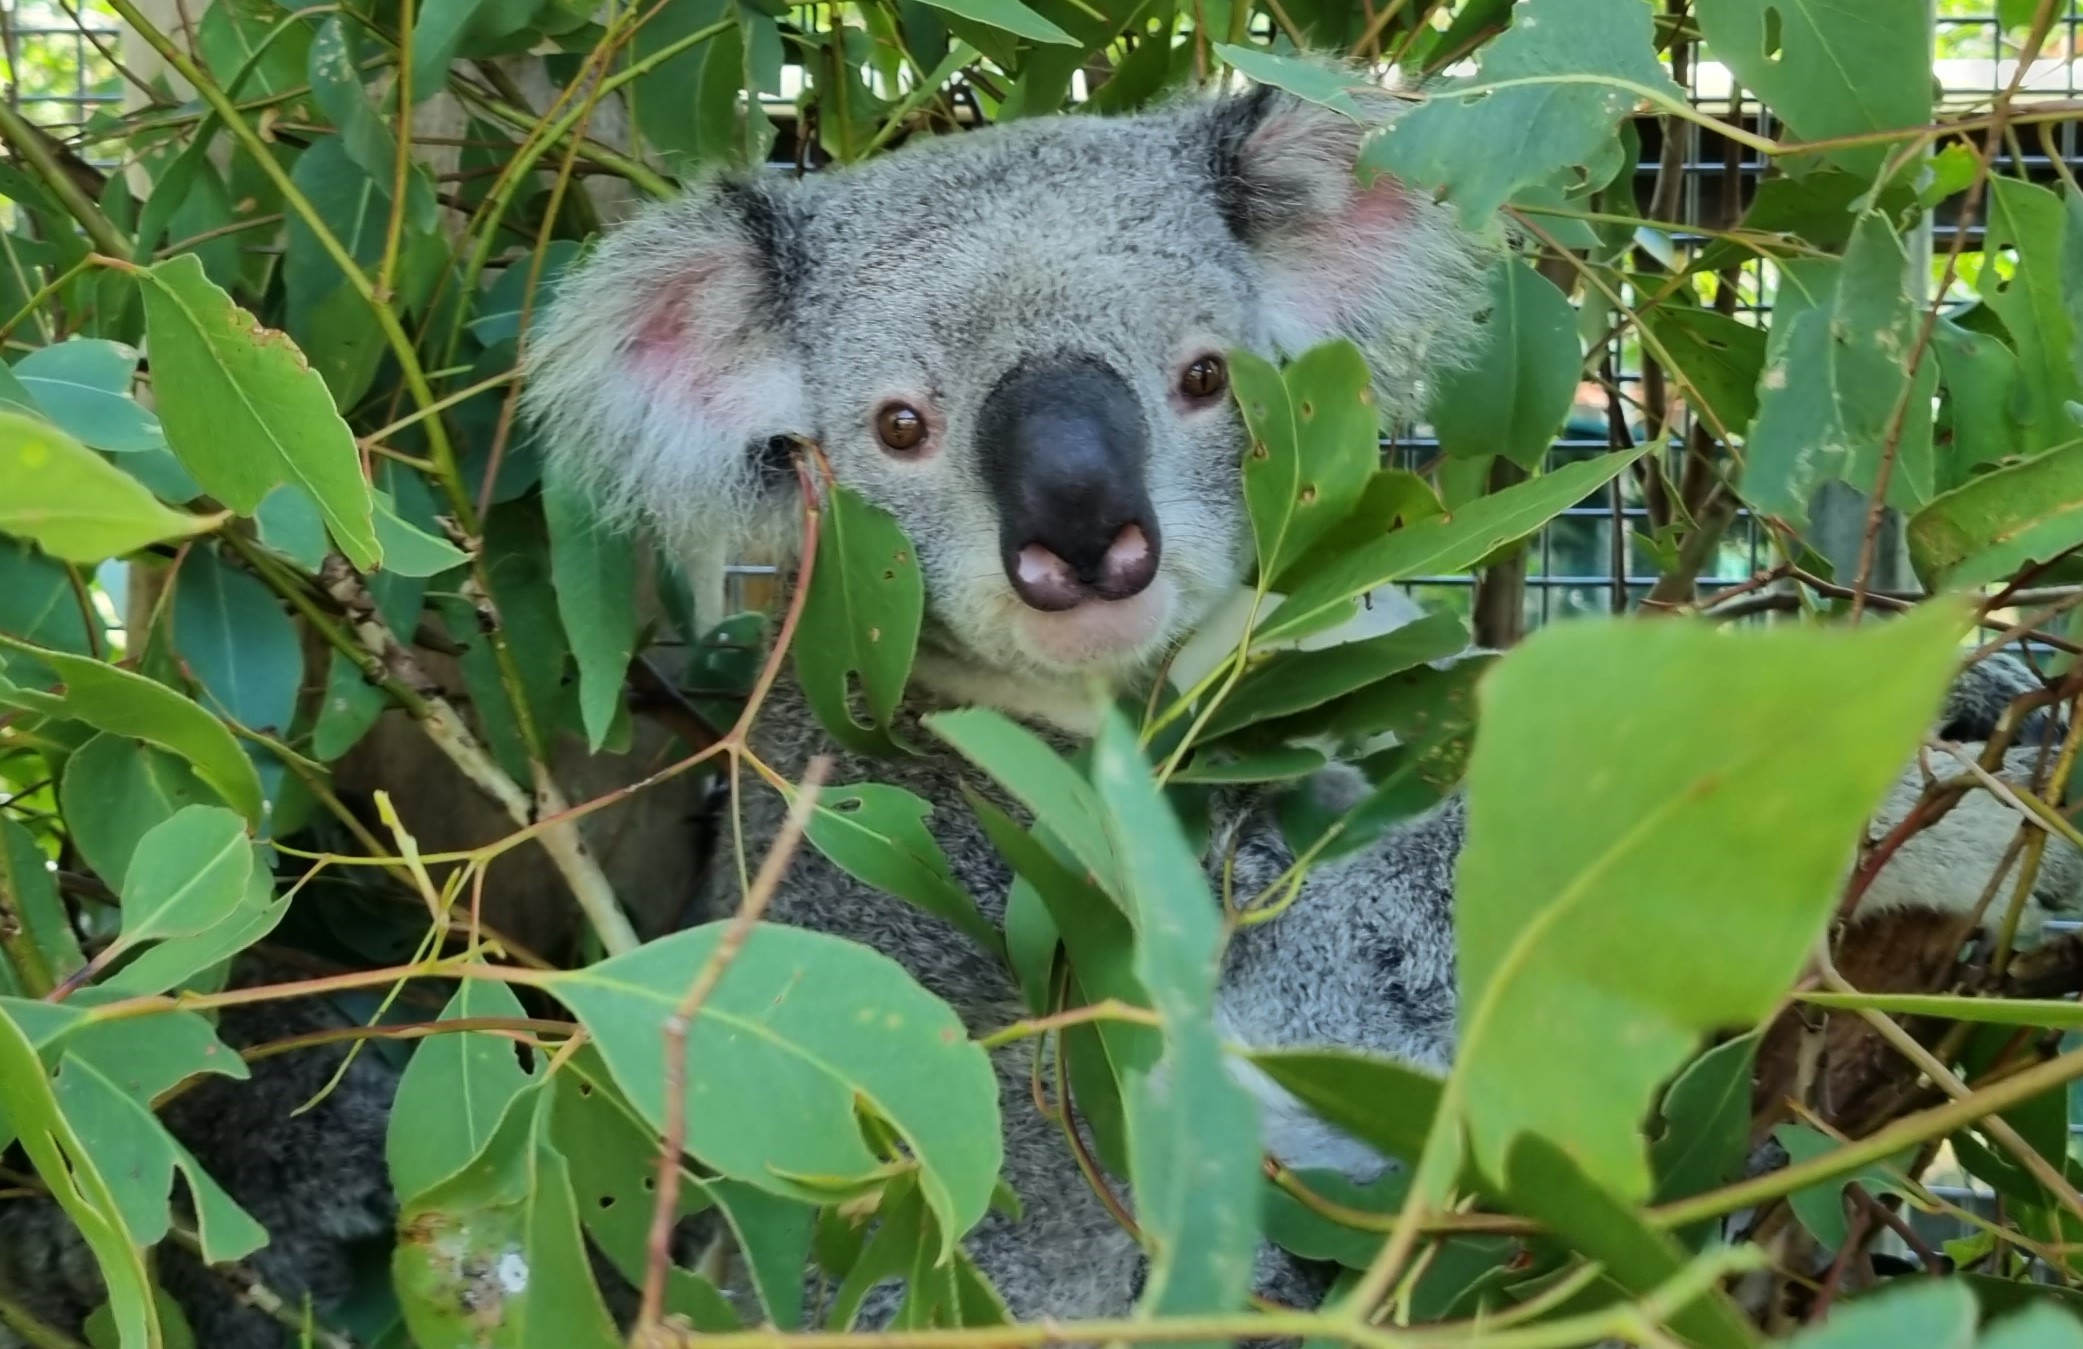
x,y
244,411
821,1024
73,503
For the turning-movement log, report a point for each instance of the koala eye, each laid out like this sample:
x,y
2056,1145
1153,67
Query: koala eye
x,y
900,427
1205,378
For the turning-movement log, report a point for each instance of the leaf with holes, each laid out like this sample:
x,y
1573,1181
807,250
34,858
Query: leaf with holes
x,y
1719,357
819,1027
877,834
1446,543
1990,527
2027,230
1315,442
1836,391
1979,422
74,504
1521,380
243,410
494,1256
113,699
454,1091
1545,99
1830,67
860,623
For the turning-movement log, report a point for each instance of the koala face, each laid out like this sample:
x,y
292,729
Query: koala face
x,y
1013,340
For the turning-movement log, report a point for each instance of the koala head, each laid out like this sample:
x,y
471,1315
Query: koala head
x,y
1013,340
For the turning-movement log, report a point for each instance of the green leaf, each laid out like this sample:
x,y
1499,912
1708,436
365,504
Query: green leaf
x,y
613,1158
1295,681
497,317
1706,1126
233,635
1592,802
2040,1327
1222,764
495,1256
1304,79
186,876
112,699
1980,375
140,1157
351,706
38,604
1545,99
1830,67
1193,1134
1544,1183
291,526
2045,1012
83,386
409,550
2026,226
1315,443
73,1173
1038,778
1991,526
447,29
1719,356
175,962
75,504
860,622
1521,380
1929,1313
1443,544
42,938
1833,379
878,834
114,790
453,1092
334,69
244,411
1009,16
1385,1105
594,569
821,1025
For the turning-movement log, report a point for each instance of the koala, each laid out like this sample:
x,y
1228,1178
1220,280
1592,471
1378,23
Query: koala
x,y
1013,340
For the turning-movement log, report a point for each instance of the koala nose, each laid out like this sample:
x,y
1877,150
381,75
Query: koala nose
x,y
1047,579
1062,445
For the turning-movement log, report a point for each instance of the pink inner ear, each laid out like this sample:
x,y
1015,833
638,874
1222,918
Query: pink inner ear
x,y
688,343
1325,272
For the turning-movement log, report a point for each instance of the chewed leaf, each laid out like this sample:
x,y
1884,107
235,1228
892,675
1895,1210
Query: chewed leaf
x,y
243,410
860,623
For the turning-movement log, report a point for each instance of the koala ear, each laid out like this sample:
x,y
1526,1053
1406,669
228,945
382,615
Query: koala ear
x,y
661,375
1370,261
